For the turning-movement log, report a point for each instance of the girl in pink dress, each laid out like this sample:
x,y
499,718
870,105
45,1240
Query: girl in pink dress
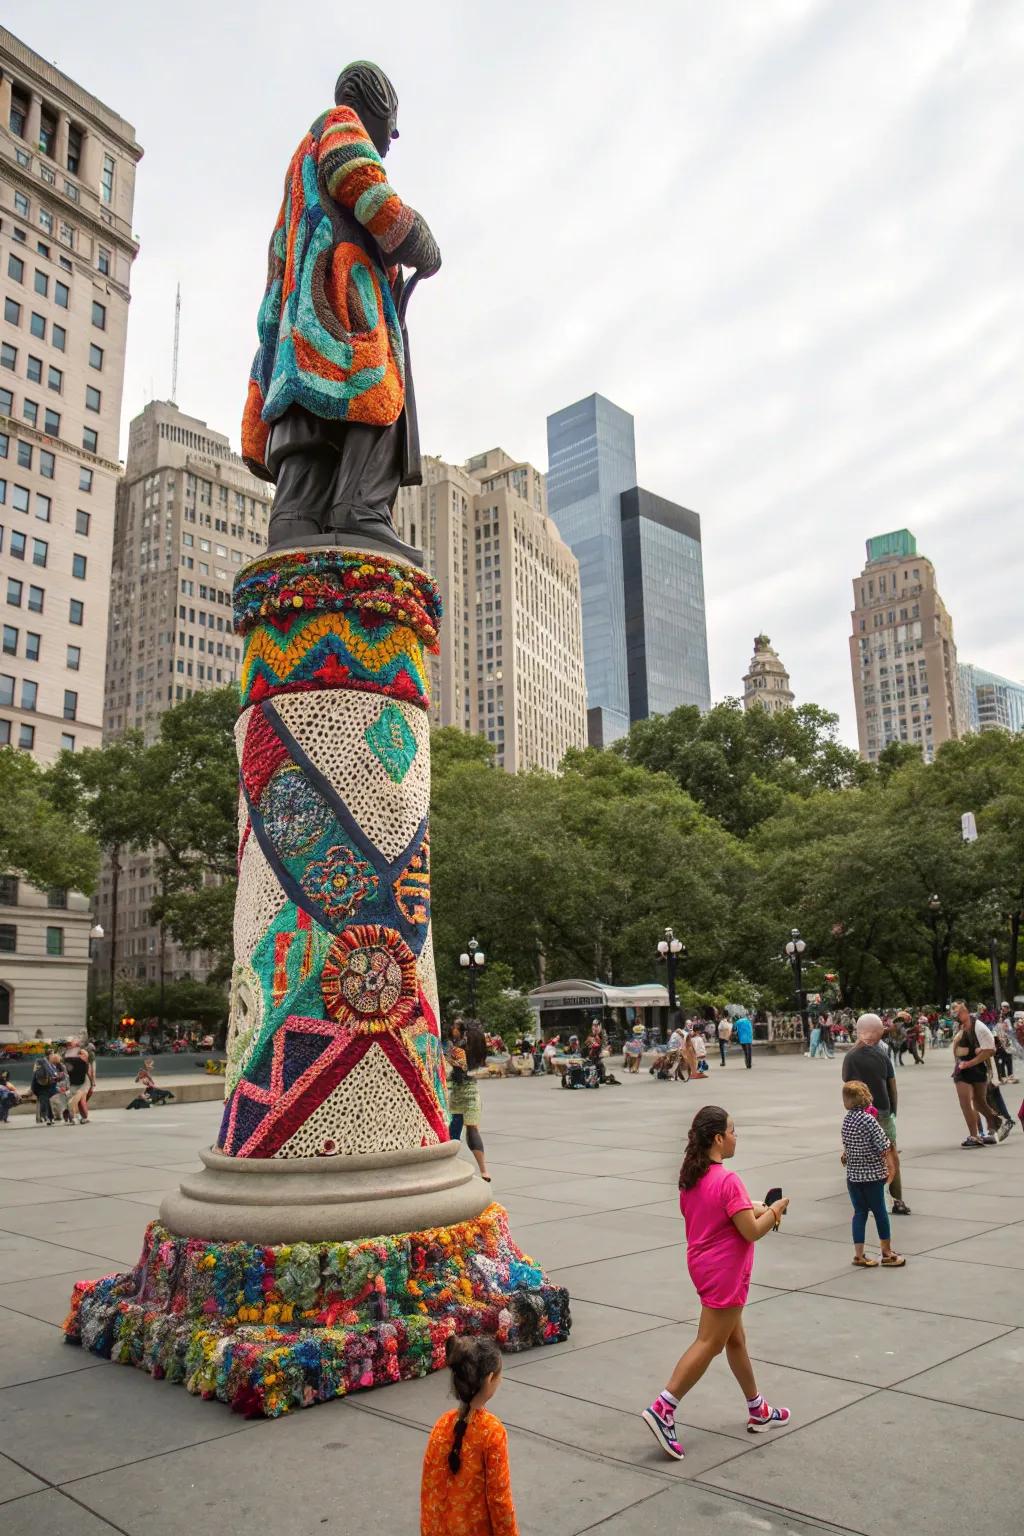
x,y
722,1226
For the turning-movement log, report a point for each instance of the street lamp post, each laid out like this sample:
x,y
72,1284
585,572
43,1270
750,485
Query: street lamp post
x,y
472,960
95,935
671,950
939,963
795,954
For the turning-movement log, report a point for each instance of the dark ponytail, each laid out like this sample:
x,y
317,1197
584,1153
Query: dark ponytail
x,y
470,1361
708,1123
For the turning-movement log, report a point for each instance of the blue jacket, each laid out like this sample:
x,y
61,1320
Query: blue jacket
x,y
744,1031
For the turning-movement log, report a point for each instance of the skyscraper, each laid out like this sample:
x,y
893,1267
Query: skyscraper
x,y
67,188
989,702
189,516
641,573
766,684
902,651
511,662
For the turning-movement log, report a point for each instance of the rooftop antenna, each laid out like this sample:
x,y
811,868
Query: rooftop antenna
x,y
177,332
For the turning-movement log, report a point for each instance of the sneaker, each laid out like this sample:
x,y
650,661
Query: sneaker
x,y
662,1425
988,1140
1004,1130
766,1418
970,1141
900,1208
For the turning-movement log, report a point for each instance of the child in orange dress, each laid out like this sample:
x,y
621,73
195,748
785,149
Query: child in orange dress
x,y
466,1489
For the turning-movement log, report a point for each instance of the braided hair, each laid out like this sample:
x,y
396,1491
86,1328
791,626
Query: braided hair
x,y
470,1361
365,84
708,1123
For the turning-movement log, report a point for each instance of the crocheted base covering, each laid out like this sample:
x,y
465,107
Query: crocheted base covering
x,y
271,1329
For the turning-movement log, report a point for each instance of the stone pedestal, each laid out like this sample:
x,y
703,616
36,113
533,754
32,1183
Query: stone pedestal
x,y
334,1135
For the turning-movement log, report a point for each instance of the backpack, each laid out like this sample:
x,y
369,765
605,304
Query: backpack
x,y
42,1076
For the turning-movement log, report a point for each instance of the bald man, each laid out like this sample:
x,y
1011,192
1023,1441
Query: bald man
x,y
869,1063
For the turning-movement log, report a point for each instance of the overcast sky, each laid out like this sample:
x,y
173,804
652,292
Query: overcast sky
x,y
786,234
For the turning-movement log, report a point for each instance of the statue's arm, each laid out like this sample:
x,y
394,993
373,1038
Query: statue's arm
x,y
352,172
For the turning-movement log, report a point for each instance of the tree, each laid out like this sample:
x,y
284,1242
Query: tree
x,y
39,837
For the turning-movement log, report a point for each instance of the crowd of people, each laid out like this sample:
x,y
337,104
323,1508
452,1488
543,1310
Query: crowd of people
x,y
64,1081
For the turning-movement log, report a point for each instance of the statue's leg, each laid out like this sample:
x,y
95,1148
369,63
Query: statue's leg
x,y
302,459
367,476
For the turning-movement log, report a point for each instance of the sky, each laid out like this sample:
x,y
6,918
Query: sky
x,y
785,234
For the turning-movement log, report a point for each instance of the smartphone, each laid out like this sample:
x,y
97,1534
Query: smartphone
x,y
772,1195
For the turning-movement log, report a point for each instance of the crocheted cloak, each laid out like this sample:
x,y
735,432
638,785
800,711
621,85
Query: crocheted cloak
x,y
328,329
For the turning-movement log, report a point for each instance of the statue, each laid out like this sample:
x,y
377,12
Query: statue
x,y
330,414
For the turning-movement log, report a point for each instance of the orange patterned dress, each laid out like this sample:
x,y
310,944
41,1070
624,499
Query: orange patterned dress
x,y
476,1500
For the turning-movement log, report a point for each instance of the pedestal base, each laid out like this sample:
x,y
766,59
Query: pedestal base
x,y
325,1199
269,1329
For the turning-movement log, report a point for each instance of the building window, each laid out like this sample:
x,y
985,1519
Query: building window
x,y
76,609
61,294
18,542
34,371
70,704
8,355
8,890
51,423
26,737
21,204
40,552
36,324
107,179
35,599
5,733
103,261
6,690
44,505
30,412
32,645
55,941
82,523
99,315
59,337
10,640
67,742
24,455
47,464
8,938
16,268
90,440
84,478
46,220
54,379
29,694
74,657
6,402
93,399
13,592
74,149
19,498
12,312
78,564
95,356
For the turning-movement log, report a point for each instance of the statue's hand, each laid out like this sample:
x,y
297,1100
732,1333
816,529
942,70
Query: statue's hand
x,y
419,249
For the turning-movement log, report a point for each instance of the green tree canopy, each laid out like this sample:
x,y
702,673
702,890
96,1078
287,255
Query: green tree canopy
x,y
41,839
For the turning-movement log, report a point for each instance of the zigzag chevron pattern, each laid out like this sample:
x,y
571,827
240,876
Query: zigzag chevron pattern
x,y
334,650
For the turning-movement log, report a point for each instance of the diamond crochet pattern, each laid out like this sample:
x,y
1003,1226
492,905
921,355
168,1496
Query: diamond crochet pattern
x,y
392,742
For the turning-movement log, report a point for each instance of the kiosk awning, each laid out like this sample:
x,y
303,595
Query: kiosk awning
x,y
596,994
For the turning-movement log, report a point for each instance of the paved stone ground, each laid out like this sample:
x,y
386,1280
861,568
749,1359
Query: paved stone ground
x,y
905,1386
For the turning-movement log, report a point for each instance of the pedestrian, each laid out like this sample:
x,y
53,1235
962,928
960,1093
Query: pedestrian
x,y
80,1076
595,1050
973,1047
466,1489
722,1226
9,1096
468,1052
151,1094
549,1054
699,1048
815,1040
633,1049
1003,1031
61,1088
868,1062
724,1036
43,1086
869,1161
745,1039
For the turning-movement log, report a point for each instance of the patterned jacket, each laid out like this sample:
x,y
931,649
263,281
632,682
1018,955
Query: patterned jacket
x,y
329,334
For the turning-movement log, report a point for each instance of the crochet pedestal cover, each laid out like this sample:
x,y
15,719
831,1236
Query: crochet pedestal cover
x,y
334,1043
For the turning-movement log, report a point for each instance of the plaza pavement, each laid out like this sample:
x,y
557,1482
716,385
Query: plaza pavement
x,y
905,1386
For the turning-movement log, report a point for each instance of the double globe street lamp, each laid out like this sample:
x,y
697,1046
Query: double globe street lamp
x,y
795,954
472,960
672,951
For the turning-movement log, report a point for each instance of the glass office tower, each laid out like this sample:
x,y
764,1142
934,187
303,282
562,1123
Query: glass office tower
x,y
663,582
592,460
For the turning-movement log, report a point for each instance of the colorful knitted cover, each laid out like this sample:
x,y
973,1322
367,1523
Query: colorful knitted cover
x,y
329,337
333,1043
271,1329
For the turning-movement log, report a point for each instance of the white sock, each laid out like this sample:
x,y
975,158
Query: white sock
x,y
754,1403
666,1397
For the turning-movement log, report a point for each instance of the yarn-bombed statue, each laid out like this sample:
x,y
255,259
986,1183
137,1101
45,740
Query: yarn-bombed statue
x,y
330,414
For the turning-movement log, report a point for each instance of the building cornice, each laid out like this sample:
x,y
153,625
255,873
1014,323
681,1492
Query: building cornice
x,y
54,82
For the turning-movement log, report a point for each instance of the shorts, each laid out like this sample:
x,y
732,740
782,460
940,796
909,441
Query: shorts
x,y
887,1120
978,1074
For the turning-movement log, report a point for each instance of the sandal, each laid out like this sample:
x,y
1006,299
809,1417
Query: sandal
x,y
893,1261
863,1262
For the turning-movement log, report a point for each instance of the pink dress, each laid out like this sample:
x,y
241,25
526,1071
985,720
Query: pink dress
x,y
718,1258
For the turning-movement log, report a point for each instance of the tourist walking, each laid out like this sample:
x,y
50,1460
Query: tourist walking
x,y
80,1077
722,1226
1003,1031
43,1086
869,1158
745,1039
869,1062
466,1489
633,1049
467,1054
724,1032
973,1047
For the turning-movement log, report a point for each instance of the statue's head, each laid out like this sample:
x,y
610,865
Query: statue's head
x,y
366,88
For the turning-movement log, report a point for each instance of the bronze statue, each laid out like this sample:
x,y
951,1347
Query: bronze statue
x,y
330,414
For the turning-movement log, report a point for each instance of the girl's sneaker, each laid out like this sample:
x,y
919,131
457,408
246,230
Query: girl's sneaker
x,y
763,1418
662,1425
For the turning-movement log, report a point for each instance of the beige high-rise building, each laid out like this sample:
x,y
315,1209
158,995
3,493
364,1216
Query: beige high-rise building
x,y
67,187
189,516
902,651
511,662
766,684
